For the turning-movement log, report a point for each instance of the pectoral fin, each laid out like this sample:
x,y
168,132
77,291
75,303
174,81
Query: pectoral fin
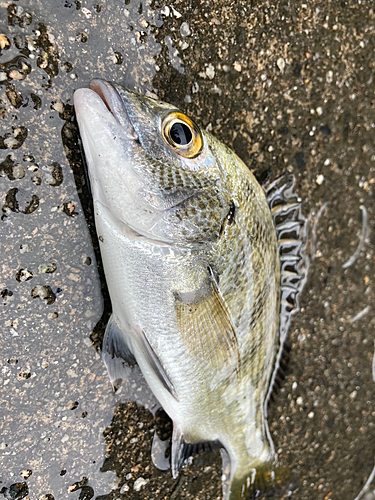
x,y
206,327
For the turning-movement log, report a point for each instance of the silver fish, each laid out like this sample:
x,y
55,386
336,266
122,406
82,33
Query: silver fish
x,y
191,259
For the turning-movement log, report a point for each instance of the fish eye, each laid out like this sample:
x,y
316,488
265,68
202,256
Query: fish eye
x,y
182,135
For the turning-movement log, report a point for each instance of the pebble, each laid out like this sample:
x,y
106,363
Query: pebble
x,y
124,488
16,75
18,171
4,42
176,14
143,23
281,64
185,29
210,71
138,483
86,12
319,179
329,77
165,11
237,66
311,414
47,268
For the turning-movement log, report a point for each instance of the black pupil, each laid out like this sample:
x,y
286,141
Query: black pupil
x,y
181,134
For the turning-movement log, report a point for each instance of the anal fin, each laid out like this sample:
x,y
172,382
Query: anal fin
x,y
181,449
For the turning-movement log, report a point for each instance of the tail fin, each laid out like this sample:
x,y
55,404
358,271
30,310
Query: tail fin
x,y
264,478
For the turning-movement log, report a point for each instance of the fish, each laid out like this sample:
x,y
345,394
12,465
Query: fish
x,y
192,263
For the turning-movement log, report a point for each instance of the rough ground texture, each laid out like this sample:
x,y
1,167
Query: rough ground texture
x,y
289,85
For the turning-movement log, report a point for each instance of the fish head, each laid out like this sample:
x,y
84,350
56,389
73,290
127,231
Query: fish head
x,y
152,166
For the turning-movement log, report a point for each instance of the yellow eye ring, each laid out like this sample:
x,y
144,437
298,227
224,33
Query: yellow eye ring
x,y
182,135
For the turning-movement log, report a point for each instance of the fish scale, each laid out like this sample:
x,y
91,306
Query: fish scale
x,y
191,257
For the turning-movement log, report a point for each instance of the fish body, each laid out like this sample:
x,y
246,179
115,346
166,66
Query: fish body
x,y
192,265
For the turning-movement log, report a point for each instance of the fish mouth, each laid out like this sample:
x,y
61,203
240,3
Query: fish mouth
x,y
115,105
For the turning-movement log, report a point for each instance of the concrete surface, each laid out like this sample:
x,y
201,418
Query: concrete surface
x,y
289,85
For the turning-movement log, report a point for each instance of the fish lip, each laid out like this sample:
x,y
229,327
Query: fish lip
x,y
115,105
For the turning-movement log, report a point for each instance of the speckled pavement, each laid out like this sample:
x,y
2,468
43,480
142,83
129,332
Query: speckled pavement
x,y
289,85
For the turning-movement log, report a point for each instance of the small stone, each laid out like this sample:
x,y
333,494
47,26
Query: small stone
x,y
176,14
299,401
237,66
143,22
25,248
58,106
4,42
124,488
44,293
353,395
3,446
23,275
281,64
185,29
319,179
18,171
86,12
319,110
329,76
210,71
138,483
26,473
47,268
16,75
311,414
165,11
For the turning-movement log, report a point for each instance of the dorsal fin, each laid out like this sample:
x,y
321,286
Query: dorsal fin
x,y
291,231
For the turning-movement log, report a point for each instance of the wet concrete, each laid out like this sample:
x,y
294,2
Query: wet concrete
x,y
290,87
